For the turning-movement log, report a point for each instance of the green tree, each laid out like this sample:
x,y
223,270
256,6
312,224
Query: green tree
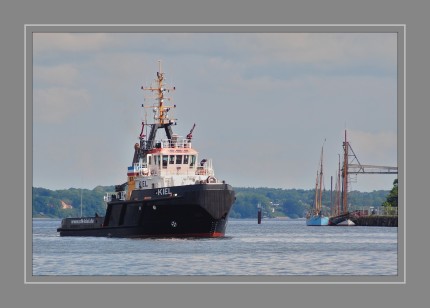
x,y
48,202
392,198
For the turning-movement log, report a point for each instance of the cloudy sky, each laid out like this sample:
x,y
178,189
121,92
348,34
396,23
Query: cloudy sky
x,y
263,104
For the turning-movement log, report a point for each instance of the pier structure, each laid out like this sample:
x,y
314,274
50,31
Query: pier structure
x,y
351,165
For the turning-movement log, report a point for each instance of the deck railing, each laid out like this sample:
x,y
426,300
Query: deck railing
x,y
180,143
172,169
119,195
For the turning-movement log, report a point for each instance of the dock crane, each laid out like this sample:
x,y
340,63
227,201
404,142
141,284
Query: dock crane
x,y
353,166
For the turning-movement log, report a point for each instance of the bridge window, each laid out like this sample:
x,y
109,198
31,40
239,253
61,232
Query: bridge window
x,y
172,159
193,160
165,159
186,159
178,159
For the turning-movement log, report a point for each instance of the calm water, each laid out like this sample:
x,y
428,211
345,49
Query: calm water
x,y
272,248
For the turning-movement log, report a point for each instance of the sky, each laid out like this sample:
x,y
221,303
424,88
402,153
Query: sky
x,y
264,104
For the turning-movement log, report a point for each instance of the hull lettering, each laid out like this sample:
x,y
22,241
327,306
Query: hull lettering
x,y
163,191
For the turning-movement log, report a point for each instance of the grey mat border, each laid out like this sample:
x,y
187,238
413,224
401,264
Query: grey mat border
x,y
200,28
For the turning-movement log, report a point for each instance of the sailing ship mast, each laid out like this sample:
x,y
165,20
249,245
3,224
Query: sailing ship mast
x,y
345,176
316,194
319,185
335,207
337,198
81,202
321,179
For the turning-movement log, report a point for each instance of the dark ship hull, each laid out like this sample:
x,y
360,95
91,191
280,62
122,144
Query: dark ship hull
x,y
335,220
199,210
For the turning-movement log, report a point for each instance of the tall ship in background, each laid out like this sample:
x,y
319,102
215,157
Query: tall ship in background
x,y
169,192
315,217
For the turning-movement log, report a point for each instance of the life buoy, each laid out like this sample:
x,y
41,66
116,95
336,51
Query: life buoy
x,y
211,179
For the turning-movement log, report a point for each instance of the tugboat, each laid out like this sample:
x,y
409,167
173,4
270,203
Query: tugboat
x,y
168,192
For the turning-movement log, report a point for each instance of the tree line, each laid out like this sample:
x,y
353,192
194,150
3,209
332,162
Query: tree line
x,y
274,202
67,202
295,203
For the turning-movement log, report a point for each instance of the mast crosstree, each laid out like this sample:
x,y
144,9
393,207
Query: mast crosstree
x,y
161,115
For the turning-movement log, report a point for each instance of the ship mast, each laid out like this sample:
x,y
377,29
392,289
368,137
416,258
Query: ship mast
x,y
338,184
319,184
321,179
316,194
161,117
345,175
161,110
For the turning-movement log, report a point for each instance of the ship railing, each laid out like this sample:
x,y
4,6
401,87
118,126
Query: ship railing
x,y
206,169
112,196
172,143
200,170
203,171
